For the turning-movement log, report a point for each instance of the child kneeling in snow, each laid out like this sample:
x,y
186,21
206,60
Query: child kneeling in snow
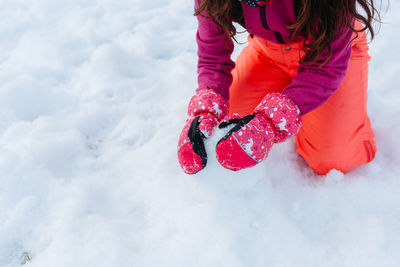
x,y
304,73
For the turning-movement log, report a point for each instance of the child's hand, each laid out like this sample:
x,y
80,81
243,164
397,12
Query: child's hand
x,y
206,109
247,143
274,120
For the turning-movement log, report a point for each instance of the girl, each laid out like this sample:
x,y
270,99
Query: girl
x,y
304,73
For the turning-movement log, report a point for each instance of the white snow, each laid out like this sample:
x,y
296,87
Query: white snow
x,y
93,96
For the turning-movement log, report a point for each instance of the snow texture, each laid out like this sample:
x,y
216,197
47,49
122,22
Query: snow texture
x,y
93,95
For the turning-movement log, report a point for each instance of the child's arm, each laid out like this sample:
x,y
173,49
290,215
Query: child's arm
x,y
214,52
210,103
312,86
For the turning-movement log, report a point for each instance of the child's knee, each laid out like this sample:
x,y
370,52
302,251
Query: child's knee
x,y
342,157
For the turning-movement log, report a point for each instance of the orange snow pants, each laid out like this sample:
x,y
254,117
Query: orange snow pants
x,y
338,134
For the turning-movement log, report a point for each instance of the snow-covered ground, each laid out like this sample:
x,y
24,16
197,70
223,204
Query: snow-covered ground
x,y
93,95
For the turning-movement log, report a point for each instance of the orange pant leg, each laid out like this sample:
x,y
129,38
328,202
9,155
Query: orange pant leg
x,y
338,134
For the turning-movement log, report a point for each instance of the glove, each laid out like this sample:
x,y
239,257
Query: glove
x,y
248,143
205,110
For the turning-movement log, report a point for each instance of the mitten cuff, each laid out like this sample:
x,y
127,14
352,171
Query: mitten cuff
x,y
283,113
208,101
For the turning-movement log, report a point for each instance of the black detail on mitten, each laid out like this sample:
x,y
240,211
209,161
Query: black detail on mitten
x,y
196,140
239,124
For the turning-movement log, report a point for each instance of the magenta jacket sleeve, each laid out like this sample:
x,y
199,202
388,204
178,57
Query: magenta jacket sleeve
x,y
214,53
312,86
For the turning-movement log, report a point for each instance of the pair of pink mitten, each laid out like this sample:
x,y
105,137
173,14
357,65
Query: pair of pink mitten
x,y
250,139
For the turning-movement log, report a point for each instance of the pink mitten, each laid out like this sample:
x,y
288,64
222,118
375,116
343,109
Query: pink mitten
x,y
248,143
205,110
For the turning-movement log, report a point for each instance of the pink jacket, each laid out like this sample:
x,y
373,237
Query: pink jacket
x,y
309,89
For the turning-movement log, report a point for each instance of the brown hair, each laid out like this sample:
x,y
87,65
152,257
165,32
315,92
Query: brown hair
x,y
319,19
